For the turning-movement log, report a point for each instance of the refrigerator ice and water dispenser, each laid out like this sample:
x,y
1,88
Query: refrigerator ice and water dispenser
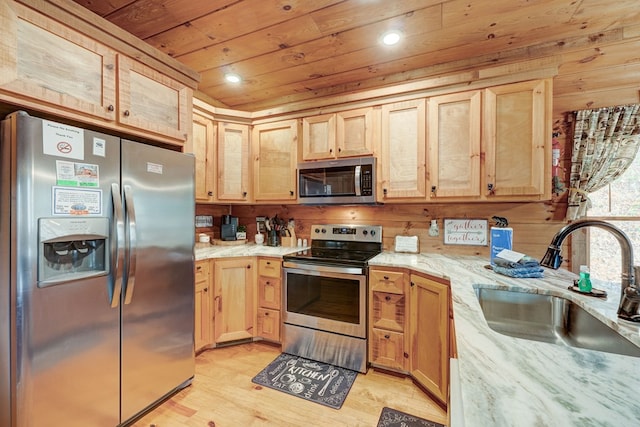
x,y
71,249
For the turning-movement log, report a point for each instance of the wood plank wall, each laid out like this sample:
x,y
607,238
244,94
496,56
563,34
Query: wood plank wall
x,y
534,224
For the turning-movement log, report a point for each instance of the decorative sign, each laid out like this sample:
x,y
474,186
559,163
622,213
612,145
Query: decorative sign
x,y
406,244
465,232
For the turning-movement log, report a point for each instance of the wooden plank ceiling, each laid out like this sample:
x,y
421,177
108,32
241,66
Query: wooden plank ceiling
x,y
294,50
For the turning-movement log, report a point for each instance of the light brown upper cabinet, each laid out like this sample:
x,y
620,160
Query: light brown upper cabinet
x,y
342,134
517,138
204,142
274,168
402,160
454,144
151,101
49,66
46,62
232,154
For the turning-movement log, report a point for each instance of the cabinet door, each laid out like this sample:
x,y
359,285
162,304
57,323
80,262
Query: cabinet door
x,y
517,135
274,151
454,145
203,149
151,101
403,158
429,332
387,349
234,306
355,132
46,63
269,324
203,321
203,316
319,137
233,162
269,292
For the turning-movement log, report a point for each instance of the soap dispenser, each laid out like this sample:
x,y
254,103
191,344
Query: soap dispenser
x,y
584,283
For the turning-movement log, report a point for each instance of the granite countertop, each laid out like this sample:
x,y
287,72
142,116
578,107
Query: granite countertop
x,y
507,381
207,250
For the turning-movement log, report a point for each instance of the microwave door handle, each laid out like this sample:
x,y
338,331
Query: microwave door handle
x,y
357,179
117,254
133,240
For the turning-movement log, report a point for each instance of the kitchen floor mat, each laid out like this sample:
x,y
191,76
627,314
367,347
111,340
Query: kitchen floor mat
x,y
393,418
316,381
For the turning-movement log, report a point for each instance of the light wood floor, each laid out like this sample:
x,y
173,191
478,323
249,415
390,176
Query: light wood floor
x,y
222,395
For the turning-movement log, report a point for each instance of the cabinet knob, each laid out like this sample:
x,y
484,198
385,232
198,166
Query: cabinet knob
x,y
209,193
291,192
339,150
199,267
206,289
266,313
387,337
433,189
126,113
384,191
110,108
386,277
268,262
248,265
244,194
491,189
412,284
387,298
330,150
268,283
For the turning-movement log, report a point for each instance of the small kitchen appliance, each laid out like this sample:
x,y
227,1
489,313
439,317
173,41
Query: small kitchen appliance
x,y
228,227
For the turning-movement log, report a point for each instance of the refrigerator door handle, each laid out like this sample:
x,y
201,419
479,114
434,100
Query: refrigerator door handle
x,y
132,257
118,254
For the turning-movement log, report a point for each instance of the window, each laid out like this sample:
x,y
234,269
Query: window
x,y
619,204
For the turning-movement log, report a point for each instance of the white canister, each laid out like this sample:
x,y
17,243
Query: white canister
x,y
203,238
259,238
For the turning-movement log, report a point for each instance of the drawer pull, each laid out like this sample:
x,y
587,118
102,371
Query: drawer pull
x,y
268,262
386,277
387,337
387,298
266,313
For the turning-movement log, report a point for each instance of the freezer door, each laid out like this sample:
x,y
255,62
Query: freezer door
x,y
158,299
64,337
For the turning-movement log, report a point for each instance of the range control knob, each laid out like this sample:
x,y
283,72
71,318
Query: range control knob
x,y
317,230
365,232
373,232
324,230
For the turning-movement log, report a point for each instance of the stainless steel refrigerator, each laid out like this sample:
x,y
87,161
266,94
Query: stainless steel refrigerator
x,y
96,264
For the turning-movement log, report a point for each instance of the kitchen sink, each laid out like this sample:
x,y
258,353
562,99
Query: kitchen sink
x,y
550,319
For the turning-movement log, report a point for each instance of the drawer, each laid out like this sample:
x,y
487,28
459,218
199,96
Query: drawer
x,y
388,311
269,267
202,271
387,281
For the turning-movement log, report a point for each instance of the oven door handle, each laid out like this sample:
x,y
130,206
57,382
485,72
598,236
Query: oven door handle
x,y
323,268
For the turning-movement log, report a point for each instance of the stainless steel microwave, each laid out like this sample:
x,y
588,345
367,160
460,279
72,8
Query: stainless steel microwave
x,y
342,181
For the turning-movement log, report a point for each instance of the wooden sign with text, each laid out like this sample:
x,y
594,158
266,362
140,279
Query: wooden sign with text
x,y
465,232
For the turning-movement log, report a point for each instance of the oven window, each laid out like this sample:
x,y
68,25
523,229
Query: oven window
x,y
325,297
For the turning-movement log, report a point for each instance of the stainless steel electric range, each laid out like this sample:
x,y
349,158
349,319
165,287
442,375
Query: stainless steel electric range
x,y
325,295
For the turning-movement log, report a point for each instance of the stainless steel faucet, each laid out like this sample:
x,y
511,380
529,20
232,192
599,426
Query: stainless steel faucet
x,y
630,292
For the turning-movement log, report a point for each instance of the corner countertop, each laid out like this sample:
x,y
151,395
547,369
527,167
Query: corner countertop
x,y
507,381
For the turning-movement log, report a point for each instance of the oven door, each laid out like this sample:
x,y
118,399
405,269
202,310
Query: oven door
x,y
331,299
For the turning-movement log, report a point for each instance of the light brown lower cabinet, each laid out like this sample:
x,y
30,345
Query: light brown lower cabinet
x,y
234,299
429,334
269,297
203,324
409,332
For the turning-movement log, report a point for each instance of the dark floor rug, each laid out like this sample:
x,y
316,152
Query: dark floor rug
x,y
392,418
319,382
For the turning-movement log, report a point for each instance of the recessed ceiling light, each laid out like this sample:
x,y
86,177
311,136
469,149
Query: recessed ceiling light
x,y
232,78
391,37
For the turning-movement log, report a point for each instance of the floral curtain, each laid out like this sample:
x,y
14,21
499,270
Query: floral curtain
x,y
605,142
